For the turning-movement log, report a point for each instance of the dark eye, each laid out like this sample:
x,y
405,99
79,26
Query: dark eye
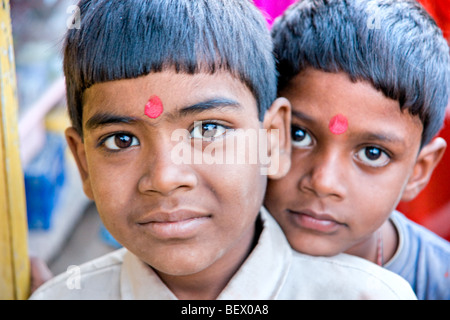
x,y
207,130
121,141
300,138
373,156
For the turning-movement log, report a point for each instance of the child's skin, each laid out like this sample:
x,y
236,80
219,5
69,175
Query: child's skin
x,y
341,188
159,210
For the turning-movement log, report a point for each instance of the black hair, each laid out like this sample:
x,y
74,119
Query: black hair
x,y
128,39
393,44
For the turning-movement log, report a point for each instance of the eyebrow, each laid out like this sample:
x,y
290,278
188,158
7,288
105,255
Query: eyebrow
x,y
302,116
390,138
212,104
103,119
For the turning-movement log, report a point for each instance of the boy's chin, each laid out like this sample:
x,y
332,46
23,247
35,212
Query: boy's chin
x,y
183,263
317,250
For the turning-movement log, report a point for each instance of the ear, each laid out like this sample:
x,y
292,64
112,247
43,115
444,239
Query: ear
x,y
426,162
76,145
277,123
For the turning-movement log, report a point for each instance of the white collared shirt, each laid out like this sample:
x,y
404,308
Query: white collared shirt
x,y
271,271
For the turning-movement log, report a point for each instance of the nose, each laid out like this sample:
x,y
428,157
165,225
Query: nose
x,y
164,176
325,177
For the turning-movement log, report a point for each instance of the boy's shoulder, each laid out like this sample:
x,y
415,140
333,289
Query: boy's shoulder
x,y
422,258
409,231
84,281
345,277
287,275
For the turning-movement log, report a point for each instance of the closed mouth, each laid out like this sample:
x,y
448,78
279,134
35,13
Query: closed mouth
x,y
319,222
178,224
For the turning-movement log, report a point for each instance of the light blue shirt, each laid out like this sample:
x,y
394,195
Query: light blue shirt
x,y
422,258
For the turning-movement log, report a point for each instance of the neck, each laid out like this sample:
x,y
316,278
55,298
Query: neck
x,y
369,248
208,283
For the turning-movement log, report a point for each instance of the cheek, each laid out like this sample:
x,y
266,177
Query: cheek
x,y
389,186
285,187
275,188
374,202
237,188
110,201
111,186
277,196
243,182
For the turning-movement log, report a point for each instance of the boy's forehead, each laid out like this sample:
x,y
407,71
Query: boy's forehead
x,y
352,107
169,82
166,93
336,92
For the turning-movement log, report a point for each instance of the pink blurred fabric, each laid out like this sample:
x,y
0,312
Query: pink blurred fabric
x,y
273,8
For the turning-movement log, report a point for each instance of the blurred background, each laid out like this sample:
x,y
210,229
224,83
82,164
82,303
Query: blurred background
x,y
64,228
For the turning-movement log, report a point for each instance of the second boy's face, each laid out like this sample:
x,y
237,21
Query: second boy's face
x,y
353,153
179,217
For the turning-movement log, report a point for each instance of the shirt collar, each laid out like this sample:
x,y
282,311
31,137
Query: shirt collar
x,y
261,276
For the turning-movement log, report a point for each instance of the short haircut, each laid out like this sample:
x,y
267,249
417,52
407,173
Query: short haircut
x,y
393,44
129,39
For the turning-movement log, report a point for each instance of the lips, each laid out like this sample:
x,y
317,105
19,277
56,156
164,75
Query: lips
x,y
180,224
319,222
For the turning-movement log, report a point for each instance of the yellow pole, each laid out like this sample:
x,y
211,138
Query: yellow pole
x,y
14,262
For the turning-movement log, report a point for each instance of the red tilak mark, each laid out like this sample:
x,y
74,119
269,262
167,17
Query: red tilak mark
x,y
338,124
154,107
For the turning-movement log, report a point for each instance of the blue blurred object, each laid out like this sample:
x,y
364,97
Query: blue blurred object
x,y
44,179
108,238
